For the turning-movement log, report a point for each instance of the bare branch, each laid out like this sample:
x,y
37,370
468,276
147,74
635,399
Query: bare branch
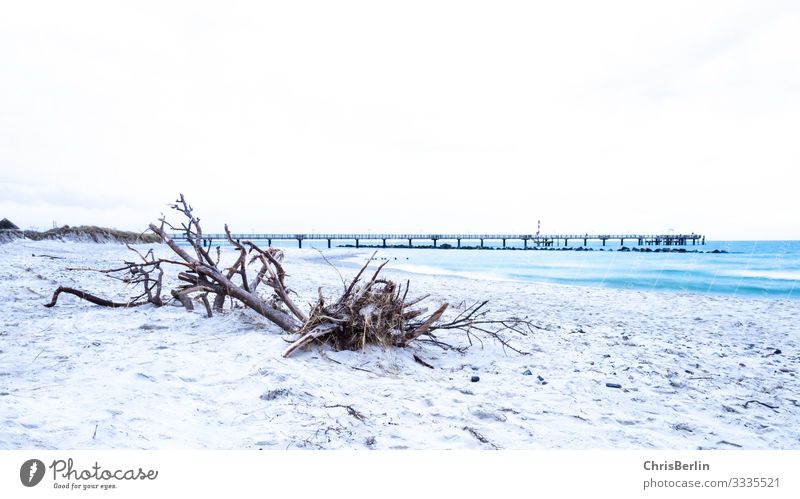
x,y
83,295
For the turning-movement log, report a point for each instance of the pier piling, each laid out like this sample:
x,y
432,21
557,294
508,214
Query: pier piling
x,y
539,240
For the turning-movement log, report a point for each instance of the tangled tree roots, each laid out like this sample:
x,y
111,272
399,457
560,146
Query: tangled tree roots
x,y
369,311
373,312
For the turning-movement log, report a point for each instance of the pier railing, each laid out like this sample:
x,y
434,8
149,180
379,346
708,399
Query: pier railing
x,y
527,239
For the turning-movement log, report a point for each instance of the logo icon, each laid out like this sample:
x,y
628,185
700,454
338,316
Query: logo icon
x,y
31,472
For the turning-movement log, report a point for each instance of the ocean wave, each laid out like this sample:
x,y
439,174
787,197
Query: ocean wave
x,y
778,275
470,274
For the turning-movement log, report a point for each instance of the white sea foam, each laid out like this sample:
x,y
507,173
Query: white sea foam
x,y
431,270
782,275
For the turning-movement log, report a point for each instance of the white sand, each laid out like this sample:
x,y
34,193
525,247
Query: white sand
x,y
82,376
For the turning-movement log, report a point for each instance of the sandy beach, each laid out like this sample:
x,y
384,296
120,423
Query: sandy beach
x,y
694,371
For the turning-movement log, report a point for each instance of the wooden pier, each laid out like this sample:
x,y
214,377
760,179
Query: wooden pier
x,y
528,240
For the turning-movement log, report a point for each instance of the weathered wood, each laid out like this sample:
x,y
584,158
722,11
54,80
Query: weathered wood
x,y
309,337
425,326
83,295
279,317
185,300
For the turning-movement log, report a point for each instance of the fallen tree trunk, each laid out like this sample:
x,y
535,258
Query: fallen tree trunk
x,y
373,311
279,317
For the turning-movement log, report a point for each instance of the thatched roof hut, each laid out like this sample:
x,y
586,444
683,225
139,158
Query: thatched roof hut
x,y
6,224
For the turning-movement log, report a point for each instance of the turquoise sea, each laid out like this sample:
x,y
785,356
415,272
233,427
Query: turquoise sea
x,y
769,269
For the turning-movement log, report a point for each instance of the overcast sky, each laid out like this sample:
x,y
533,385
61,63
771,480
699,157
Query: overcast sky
x,y
405,116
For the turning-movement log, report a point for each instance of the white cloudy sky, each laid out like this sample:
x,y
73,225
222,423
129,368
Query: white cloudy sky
x,y
404,116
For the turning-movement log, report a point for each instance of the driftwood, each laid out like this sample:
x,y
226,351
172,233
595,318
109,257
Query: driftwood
x,y
370,310
90,298
773,407
147,274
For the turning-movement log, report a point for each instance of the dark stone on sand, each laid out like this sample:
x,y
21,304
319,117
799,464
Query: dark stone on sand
x,y
151,327
613,385
273,394
475,379
777,351
527,372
